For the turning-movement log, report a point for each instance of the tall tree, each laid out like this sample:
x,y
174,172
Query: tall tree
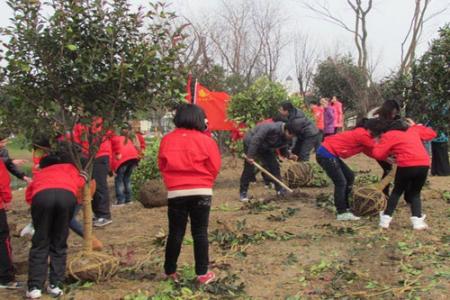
x,y
305,58
87,59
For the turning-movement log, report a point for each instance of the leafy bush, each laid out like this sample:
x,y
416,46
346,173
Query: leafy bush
x,y
147,168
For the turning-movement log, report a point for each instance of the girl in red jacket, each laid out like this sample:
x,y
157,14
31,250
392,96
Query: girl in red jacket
x,y
128,150
189,162
329,154
52,195
413,163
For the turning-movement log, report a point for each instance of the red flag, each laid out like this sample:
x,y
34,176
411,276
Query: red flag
x,y
188,89
215,105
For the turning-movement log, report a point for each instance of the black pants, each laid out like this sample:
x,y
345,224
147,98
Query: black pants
x,y
51,212
387,167
304,145
6,265
408,180
100,202
439,164
269,160
179,209
343,179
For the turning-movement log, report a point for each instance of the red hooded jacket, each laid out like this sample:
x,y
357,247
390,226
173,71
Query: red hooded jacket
x,y
349,143
318,113
5,189
189,162
58,176
406,146
79,137
126,148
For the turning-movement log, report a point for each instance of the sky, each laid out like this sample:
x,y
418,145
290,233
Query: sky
x,y
388,23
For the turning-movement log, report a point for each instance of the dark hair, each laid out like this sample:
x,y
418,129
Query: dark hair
x,y
362,123
376,126
386,109
279,118
190,116
41,141
287,105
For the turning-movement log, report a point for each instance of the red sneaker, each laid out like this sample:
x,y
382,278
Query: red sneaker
x,y
207,278
174,277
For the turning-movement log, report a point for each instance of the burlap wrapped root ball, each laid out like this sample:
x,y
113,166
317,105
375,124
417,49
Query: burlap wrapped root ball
x,y
92,266
153,194
368,201
297,174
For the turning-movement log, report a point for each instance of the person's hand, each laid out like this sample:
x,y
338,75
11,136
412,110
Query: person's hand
x,y
19,162
27,179
250,160
118,156
293,157
410,121
391,160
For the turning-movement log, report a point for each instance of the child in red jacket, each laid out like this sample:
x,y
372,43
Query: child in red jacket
x,y
413,163
6,265
52,195
329,154
189,162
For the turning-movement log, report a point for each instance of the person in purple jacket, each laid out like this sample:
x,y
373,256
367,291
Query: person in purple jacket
x,y
328,117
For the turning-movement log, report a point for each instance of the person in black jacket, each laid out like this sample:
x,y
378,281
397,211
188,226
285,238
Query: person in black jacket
x,y
308,136
260,143
11,164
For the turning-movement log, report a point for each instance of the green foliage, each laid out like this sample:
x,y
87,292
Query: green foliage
x,y
256,207
342,78
88,58
260,101
396,87
446,196
284,215
320,178
430,84
366,179
147,168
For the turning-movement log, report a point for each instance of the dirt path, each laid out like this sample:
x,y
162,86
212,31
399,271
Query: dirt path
x,y
284,250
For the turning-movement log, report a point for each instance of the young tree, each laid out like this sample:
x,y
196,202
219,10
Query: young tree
x,y
88,59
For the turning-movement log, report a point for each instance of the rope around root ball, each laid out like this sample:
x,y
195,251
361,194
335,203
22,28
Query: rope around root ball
x,y
92,266
297,174
368,201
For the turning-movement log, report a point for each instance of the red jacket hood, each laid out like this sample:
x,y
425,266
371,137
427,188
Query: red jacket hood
x,y
406,146
349,143
188,159
126,148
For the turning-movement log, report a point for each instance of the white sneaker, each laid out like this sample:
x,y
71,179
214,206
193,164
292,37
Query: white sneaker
x,y
54,291
27,230
385,220
34,294
419,223
347,216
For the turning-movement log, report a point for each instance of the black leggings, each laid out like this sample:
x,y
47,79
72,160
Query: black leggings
x,y
179,209
387,167
408,180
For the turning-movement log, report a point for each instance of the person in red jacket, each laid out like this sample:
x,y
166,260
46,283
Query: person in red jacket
x,y
7,276
413,163
189,162
318,114
101,200
329,156
52,196
128,151
338,114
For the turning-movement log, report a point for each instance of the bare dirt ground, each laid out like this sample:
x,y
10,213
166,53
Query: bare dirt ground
x,y
286,249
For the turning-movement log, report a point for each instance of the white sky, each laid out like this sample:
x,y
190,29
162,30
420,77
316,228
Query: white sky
x,y
387,25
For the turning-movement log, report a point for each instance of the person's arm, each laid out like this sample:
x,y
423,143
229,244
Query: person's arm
x,y
426,133
214,159
381,150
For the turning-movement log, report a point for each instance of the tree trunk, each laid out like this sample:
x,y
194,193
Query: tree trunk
x,y
87,218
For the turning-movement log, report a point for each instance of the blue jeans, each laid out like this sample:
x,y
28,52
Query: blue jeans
x,y
123,181
74,224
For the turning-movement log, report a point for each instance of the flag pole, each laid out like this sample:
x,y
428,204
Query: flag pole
x,y
194,100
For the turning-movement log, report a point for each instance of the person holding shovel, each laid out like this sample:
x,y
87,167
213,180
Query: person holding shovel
x,y
260,143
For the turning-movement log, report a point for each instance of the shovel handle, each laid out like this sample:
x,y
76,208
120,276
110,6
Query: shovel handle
x,y
270,175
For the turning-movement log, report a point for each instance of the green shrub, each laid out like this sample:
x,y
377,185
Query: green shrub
x,y
147,168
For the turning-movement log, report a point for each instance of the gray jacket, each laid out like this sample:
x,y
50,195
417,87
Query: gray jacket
x,y
301,125
265,137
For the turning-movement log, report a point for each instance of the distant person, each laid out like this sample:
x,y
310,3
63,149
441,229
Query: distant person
x,y
338,114
329,118
439,147
189,162
11,164
308,136
318,113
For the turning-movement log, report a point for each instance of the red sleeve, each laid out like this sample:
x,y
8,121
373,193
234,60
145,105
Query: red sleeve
x,y
366,141
426,133
28,193
382,149
214,162
141,141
